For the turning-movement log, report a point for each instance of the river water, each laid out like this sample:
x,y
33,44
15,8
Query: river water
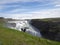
x,y
19,25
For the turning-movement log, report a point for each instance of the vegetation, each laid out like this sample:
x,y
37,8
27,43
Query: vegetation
x,y
14,37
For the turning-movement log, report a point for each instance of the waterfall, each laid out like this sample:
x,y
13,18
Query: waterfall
x,y
24,24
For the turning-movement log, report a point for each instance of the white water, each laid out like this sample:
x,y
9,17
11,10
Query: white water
x,y
22,24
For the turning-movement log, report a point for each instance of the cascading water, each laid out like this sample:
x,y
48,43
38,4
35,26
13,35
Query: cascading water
x,y
24,24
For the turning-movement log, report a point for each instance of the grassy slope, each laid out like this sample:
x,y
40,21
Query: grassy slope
x,y
51,19
14,37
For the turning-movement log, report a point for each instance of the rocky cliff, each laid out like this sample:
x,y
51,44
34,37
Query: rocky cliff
x,y
49,28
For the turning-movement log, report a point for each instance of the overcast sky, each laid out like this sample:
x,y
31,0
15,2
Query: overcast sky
x,y
29,8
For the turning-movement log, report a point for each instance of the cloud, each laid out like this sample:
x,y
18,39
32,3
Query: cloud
x,y
30,8
11,1
43,1
50,13
47,13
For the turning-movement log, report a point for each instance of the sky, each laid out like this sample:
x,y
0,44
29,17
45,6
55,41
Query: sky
x,y
30,9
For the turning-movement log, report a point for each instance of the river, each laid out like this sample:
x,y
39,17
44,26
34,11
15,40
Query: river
x,y
24,24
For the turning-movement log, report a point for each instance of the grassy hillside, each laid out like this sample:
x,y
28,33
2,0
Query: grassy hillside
x,y
51,19
14,37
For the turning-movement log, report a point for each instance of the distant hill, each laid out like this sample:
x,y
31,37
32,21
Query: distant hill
x,y
51,19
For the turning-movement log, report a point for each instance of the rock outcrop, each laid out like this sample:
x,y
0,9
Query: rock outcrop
x,y
49,29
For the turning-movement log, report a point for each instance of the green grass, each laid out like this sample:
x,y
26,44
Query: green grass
x,y
14,37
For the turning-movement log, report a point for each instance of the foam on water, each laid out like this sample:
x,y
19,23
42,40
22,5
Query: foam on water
x,y
22,24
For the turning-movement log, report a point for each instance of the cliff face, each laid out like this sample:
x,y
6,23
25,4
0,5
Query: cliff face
x,y
49,29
